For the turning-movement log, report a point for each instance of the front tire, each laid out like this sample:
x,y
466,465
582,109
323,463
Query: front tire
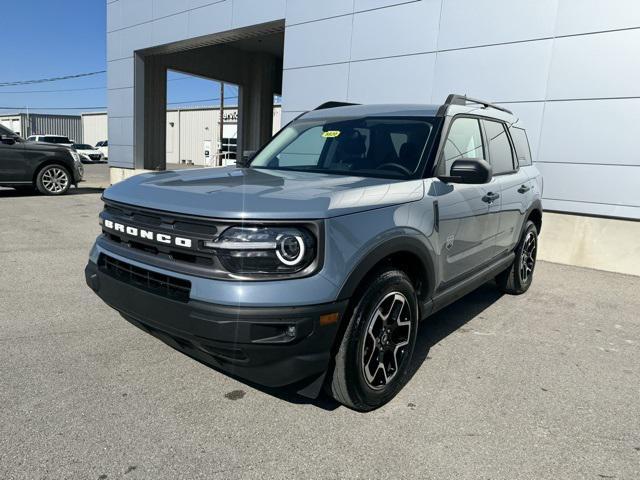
x,y
517,279
53,180
374,356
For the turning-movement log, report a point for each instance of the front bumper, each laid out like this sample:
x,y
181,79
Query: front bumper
x,y
270,346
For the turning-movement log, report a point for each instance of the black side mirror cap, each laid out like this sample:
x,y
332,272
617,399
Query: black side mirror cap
x,y
469,170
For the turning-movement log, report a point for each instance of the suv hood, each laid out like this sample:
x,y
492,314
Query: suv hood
x,y
260,194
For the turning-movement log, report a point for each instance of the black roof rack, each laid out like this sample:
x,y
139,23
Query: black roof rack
x,y
454,99
334,105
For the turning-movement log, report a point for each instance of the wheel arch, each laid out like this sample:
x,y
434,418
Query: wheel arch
x,y
406,253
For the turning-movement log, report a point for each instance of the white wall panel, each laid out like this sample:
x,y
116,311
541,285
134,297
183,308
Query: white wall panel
x,y
530,117
595,66
361,5
126,13
210,19
253,12
304,11
120,73
583,16
120,102
317,43
171,29
616,185
120,156
470,22
307,88
499,73
596,131
400,79
164,8
122,43
120,131
400,30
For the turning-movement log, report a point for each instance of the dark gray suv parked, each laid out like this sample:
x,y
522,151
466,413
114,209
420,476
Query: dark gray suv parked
x,y
314,264
49,168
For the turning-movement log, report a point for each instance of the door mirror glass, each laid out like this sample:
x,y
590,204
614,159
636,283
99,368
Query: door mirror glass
x,y
473,170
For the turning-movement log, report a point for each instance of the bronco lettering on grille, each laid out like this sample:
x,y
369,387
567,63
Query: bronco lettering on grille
x,y
148,234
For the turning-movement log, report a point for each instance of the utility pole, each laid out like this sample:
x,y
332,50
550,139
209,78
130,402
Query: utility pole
x,y
221,121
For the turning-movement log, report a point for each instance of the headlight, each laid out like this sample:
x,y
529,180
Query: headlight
x,y
76,157
265,249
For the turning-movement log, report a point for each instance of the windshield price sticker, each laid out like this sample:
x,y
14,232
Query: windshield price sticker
x,y
331,134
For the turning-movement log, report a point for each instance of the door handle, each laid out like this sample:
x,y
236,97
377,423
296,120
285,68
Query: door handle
x,y
524,189
490,197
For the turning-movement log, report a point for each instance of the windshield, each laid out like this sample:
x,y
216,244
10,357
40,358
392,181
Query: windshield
x,y
50,139
82,146
376,147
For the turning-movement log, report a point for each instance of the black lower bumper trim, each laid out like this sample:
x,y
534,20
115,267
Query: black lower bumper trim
x,y
270,346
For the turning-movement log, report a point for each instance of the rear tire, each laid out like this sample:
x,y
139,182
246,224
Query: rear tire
x,y
374,356
53,180
517,279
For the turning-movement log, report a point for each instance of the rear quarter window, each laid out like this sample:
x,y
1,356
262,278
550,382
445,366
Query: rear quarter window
x,y
521,144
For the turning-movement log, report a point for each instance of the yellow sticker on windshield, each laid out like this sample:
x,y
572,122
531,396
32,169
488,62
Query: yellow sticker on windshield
x,y
331,134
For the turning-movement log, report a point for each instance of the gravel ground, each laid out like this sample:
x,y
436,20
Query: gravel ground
x,y
541,386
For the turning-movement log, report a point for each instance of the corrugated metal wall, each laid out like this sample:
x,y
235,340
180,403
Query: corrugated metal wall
x,y
39,124
94,128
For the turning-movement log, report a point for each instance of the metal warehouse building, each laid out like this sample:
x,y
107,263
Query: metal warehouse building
x,y
26,124
190,132
568,68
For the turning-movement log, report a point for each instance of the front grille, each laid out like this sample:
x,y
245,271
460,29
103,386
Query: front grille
x,y
93,156
198,230
152,282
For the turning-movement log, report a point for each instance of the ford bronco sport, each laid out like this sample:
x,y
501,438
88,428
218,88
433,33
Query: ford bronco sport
x,y
313,263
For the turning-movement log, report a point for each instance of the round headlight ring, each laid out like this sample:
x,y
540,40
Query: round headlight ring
x,y
284,241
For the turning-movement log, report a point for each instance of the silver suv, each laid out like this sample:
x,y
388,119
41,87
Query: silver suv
x,y
314,264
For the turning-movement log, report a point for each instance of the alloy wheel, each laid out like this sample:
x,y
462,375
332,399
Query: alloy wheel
x,y
528,257
55,180
386,339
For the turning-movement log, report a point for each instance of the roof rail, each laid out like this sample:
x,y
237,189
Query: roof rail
x,y
454,99
334,104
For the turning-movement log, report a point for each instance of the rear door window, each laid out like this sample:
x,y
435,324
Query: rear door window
x,y
500,151
521,144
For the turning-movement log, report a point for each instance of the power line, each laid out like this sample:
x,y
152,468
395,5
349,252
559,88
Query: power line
x,y
56,91
51,79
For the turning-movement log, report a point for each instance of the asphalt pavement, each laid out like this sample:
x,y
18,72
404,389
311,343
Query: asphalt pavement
x,y
540,386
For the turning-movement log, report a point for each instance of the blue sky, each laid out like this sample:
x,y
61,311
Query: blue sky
x,y
45,39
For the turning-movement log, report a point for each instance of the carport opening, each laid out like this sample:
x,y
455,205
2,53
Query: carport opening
x,y
249,64
198,132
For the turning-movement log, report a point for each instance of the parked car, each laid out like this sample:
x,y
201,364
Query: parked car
x,y
315,263
58,139
51,169
88,154
103,146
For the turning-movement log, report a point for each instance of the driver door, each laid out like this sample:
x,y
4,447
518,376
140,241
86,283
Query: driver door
x,y
13,164
468,213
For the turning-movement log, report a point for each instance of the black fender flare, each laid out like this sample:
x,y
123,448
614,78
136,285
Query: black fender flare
x,y
400,244
536,205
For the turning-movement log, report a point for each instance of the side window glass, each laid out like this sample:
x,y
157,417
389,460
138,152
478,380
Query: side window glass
x,y
499,148
521,143
463,141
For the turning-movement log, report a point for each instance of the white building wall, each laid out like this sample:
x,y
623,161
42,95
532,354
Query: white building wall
x,y
94,128
568,68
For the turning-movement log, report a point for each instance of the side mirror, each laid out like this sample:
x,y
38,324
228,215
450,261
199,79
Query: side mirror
x,y
245,160
7,139
469,170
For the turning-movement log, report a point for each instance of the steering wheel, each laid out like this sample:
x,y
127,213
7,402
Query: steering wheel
x,y
402,168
